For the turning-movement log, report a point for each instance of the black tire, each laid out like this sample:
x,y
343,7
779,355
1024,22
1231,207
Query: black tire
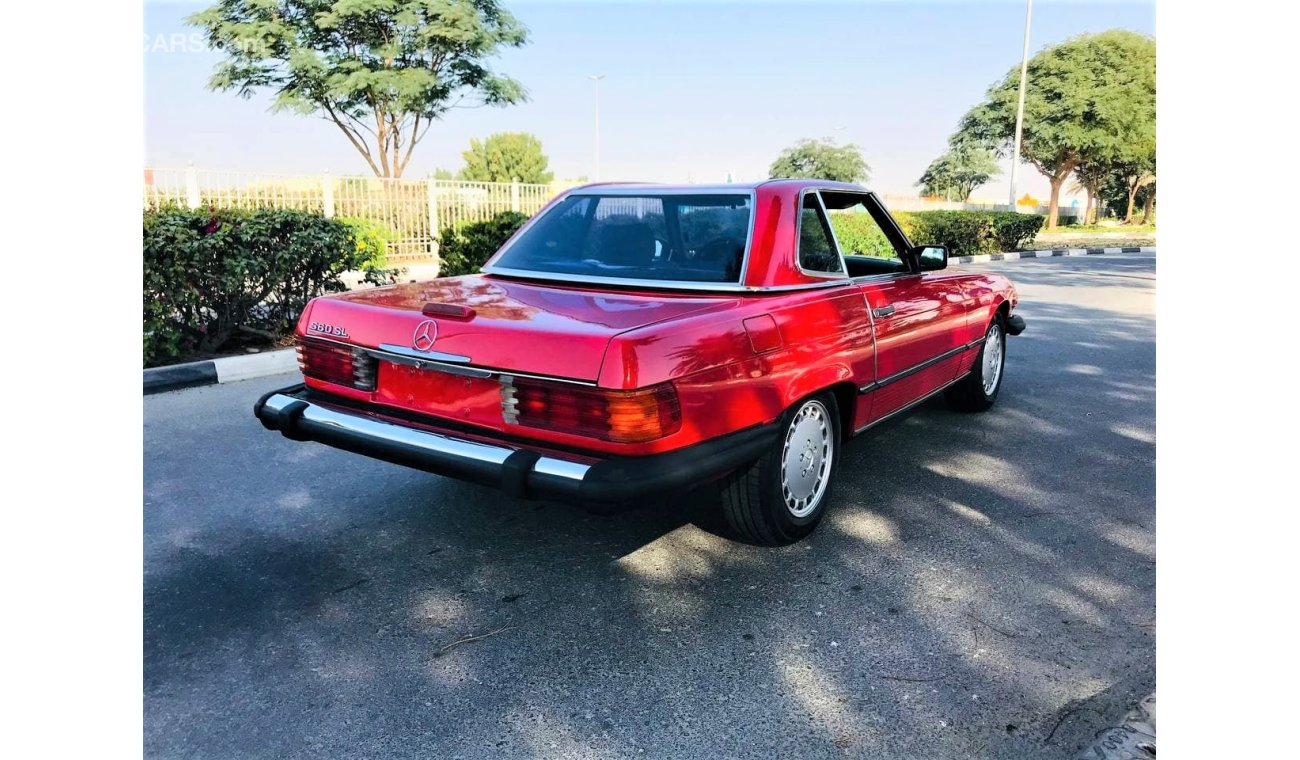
x,y
754,499
969,394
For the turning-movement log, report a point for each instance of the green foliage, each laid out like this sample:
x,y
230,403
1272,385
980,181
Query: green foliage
x,y
859,234
963,167
506,157
810,159
1090,99
382,70
464,249
1014,231
965,233
210,274
372,239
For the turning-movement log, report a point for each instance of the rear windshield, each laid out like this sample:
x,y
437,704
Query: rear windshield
x,y
681,238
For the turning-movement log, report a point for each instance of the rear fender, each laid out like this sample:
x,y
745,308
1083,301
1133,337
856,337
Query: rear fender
x,y
813,380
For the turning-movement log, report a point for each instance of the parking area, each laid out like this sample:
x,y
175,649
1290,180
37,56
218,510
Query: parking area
x,y
983,587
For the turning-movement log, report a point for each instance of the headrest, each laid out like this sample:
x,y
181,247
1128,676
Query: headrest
x,y
627,243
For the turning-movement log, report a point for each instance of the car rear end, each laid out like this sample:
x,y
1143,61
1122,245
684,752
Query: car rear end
x,y
497,379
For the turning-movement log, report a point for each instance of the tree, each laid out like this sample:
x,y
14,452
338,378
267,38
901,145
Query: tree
x,y
382,71
1089,177
1085,99
506,157
1148,202
963,167
1128,176
810,159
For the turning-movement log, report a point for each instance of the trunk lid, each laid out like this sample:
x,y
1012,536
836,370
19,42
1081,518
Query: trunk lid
x,y
527,327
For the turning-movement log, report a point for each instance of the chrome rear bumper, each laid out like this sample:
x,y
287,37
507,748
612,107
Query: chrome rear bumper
x,y
303,415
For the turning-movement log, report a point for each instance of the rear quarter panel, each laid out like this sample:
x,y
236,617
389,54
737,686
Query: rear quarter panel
x,y
725,380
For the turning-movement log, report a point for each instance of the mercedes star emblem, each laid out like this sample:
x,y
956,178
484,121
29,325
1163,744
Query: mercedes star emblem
x,y
425,334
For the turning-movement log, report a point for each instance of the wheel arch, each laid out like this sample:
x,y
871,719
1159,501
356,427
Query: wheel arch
x,y
1003,309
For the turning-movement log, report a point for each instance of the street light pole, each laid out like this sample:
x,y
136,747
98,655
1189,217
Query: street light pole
x,y
596,78
1020,106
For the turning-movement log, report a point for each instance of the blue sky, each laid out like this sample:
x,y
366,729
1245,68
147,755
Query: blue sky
x,y
692,90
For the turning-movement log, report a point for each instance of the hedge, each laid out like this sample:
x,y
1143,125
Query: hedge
x,y
965,233
463,249
209,275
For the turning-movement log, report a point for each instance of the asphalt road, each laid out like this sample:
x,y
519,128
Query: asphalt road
x,y
984,587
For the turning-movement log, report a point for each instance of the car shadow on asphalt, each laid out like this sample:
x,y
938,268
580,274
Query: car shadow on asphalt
x,y
981,580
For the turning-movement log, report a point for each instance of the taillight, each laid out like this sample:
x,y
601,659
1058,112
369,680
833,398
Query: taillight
x,y
336,363
621,416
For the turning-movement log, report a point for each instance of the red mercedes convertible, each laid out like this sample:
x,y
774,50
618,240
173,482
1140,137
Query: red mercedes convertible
x,y
637,339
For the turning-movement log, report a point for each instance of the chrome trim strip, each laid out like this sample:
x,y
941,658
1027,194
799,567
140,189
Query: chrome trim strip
x,y
529,274
427,441
648,190
707,287
843,274
561,468
912,405
423,356
915,368
651,188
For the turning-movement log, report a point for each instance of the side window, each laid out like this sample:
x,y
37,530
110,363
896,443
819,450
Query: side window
x,y
816,248
869,248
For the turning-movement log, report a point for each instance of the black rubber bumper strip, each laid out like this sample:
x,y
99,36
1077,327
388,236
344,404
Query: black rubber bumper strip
x,y
614,479
1015,324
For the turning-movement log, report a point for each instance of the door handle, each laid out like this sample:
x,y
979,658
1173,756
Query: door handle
x,y
882,312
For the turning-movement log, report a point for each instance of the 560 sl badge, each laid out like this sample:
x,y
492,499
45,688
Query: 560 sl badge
x,y
321,327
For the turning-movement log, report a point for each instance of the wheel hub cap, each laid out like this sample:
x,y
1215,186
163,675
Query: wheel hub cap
x,y
806,458
992,369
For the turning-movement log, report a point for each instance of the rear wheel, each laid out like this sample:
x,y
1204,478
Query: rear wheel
x,y
979,389
782,497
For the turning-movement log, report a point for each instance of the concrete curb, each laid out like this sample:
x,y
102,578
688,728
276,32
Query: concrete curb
x,y
1052,253
227,369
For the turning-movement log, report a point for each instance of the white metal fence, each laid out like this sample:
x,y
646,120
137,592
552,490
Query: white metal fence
x,y
415,210
914,203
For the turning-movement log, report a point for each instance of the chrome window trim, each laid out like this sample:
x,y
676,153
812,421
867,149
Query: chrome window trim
x,y
843,274
868,198
683,285
884,276
648,190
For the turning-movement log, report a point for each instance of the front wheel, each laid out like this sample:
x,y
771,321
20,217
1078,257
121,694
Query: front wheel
x,y
979,389
782,497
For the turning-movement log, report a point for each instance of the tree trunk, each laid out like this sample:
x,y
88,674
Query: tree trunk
x,y
1132,196
1090,208
1148,206
1053,205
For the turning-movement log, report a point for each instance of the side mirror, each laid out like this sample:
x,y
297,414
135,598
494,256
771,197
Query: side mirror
x,y
931,257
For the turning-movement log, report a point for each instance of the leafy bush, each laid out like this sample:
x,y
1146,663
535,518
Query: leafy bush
x,y
969,233
1014,231
964,233
464,249
372,239
210,274
859,233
